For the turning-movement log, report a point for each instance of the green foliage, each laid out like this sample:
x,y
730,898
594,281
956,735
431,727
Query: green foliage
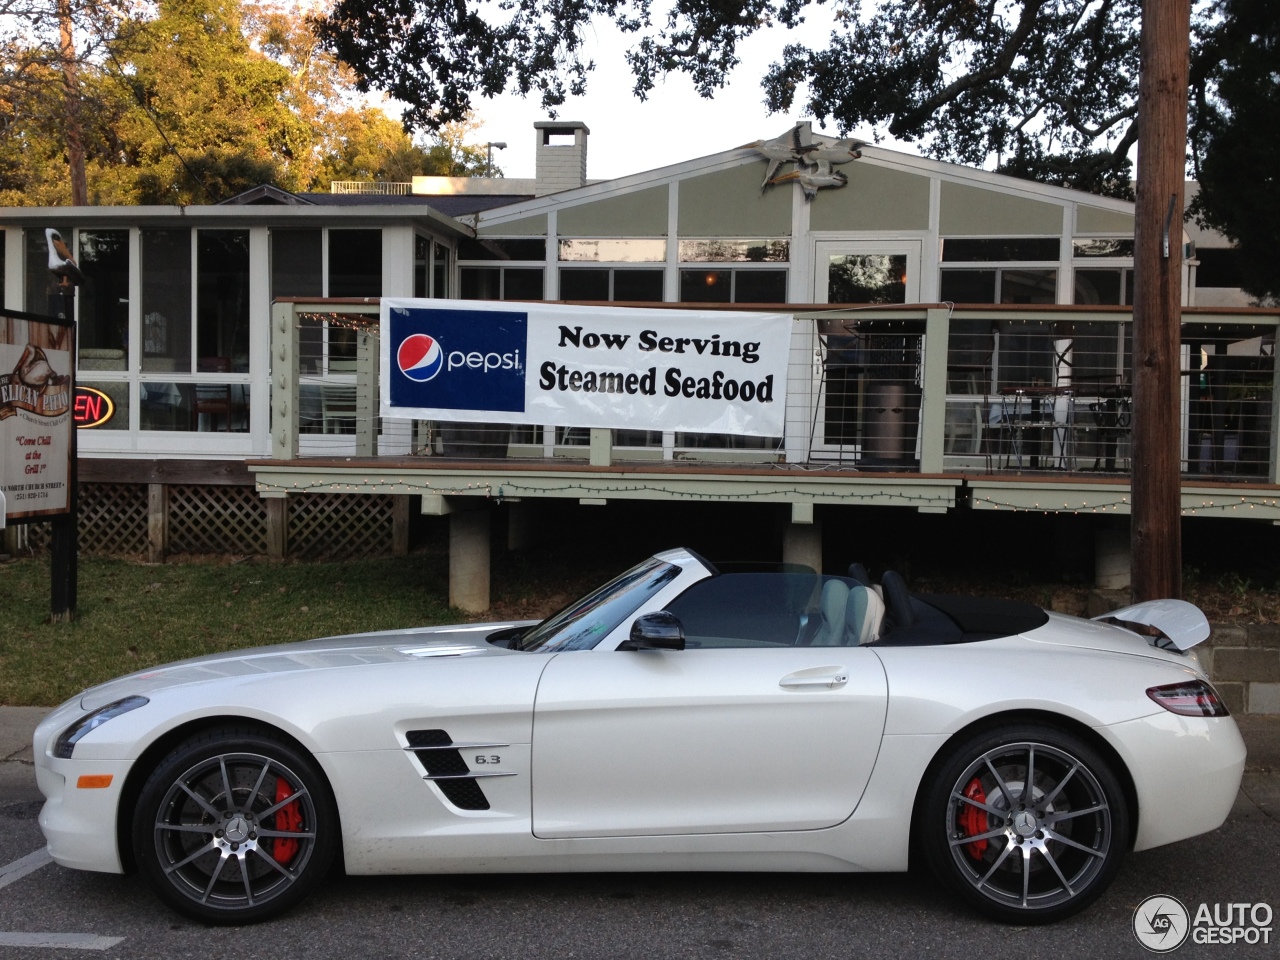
x,y
194,101
1235,116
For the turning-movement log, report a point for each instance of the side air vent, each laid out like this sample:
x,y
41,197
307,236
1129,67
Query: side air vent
x,y
445,767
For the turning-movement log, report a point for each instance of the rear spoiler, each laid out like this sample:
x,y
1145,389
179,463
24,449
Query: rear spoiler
x,y
1180,623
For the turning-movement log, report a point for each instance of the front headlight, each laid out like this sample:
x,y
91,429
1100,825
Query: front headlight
x,y
69,737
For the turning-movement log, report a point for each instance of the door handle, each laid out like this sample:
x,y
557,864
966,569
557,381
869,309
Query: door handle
x,y
805,679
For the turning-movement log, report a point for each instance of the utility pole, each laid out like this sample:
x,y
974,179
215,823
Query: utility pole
x,y
1156,535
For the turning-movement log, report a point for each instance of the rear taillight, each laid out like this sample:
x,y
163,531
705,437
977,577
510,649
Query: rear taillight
x,y
1192,699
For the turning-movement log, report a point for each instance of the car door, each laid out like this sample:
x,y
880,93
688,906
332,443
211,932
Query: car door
x,y
750,728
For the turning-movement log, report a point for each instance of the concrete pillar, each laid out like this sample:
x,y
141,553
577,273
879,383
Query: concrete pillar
x,y
1111,558
469,560
802,544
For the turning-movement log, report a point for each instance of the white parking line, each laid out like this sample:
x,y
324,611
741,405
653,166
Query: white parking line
x,y
11,872
32,862
61,941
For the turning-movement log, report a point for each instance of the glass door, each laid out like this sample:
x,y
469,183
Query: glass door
x,y
866,381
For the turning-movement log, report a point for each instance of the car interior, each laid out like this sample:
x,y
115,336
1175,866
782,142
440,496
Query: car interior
x,y
794,607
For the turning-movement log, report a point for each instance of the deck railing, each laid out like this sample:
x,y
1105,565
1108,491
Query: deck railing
x,y
918,389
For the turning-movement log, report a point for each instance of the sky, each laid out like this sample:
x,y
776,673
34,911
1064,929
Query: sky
x,y
673,125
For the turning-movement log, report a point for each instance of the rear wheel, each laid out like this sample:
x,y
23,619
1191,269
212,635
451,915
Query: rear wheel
x,y
1028,823
234,826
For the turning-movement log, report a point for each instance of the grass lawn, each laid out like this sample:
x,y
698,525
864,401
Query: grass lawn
x,y
133,615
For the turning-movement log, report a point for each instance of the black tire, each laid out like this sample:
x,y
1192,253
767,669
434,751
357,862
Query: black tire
x,y
1022,855
218,837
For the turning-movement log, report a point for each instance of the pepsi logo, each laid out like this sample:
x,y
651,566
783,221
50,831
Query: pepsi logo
x,y
420,357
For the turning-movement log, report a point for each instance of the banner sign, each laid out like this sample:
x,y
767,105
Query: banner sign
x,y
692,371
35,415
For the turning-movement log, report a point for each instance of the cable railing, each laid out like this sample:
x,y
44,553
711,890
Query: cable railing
x,y
888,390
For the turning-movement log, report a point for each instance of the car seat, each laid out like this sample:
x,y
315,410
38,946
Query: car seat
x,y
831,614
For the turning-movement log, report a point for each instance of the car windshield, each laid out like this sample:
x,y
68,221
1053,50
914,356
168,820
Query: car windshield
x,y
584,623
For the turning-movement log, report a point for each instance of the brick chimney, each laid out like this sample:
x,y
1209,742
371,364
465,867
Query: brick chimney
x,y
562,165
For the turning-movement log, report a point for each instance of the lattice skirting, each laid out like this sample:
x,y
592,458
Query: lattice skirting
x,y
340,525
213,519
113,520
227,519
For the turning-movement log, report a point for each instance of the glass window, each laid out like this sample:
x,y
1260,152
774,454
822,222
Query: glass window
x,y
421,266
355,263
222,301
584,623
735,251
194,407
481,283
867,278
998,248
759,286
297,263
166,301
501,283
637,438
638,286
614,251
521,284
606,283
1102,247
1028,286
104,400
1100,286
968,286
485,248
584,284
440,272
104,300
41,286
706,286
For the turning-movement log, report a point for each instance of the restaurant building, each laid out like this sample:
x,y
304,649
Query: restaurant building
x,y
962,340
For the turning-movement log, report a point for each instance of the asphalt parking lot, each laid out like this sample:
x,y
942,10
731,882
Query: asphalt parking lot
x,y
46,910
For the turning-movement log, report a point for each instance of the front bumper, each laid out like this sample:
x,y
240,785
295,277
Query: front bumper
x,y
79,823
1186,771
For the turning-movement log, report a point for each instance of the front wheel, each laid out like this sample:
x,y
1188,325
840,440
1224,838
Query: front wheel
x,y
1027,823
234,826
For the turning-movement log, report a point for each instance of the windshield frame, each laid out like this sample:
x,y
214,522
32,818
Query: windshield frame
x,y
618,599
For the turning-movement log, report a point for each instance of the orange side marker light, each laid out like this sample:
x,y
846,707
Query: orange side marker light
x,y
94,781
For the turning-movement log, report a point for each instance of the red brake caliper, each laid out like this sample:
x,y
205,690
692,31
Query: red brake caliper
x,y
288,818
973,821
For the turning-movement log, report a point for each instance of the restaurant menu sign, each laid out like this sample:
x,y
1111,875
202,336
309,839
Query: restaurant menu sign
x,y
613,367
35,416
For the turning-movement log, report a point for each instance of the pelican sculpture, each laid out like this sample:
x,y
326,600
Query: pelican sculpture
x,y
784,149
61,263
813,179
813,160
838,151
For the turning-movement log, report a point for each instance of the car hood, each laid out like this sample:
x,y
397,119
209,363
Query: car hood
x,y
1067,631
327,653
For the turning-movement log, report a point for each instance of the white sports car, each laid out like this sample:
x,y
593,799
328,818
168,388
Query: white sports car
x,y
681,717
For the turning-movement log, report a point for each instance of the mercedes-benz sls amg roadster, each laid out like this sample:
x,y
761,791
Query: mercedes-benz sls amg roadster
x,y
680,717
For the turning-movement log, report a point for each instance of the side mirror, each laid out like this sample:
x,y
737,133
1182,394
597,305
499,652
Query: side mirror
x,y
655,631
